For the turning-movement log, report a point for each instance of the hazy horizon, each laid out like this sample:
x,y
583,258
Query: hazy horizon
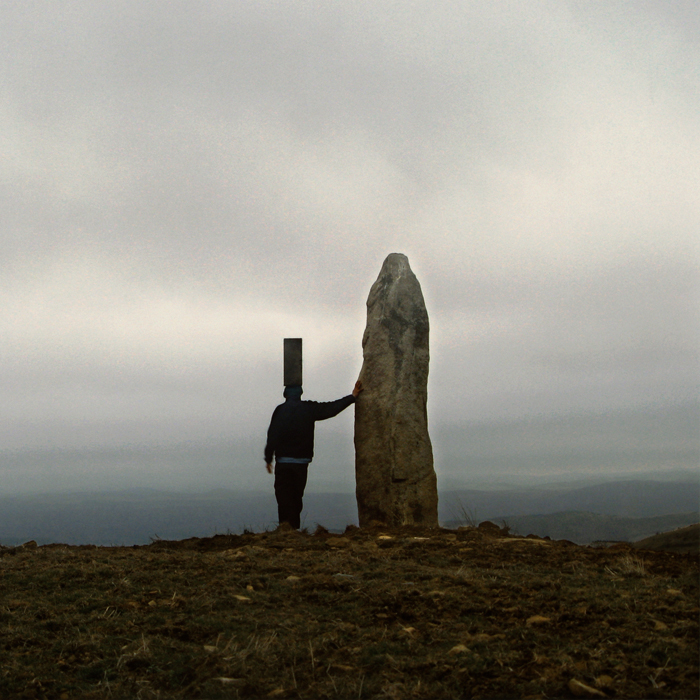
x,y
627,445
138,516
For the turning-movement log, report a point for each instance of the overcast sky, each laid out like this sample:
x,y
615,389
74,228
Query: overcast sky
x,y
184,184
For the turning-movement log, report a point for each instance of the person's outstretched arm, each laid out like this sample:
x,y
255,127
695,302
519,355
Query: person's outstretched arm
x,y
328,409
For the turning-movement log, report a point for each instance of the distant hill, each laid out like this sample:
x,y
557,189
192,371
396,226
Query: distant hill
x,y
583,528
631,499
138,515
128,517
684,539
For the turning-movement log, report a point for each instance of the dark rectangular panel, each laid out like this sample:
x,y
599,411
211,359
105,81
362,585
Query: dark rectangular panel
x,y
292,362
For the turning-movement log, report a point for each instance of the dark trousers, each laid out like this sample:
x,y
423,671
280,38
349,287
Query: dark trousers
x,y
290,481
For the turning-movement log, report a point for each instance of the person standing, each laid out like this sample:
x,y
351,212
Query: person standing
x,y
290,440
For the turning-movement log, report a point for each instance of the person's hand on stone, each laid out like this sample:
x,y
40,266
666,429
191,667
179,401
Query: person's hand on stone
x,y
358,388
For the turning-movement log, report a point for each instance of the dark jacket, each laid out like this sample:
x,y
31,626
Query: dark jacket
x,y
291,431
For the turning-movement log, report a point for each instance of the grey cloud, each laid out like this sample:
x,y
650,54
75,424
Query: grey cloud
x,y
184,184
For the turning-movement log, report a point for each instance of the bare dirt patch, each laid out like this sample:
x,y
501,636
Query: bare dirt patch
x,y
474,613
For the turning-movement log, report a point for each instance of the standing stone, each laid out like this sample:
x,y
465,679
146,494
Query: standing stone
x,y
396,483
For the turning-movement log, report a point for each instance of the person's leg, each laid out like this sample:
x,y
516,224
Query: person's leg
x,y
296,499
290,481
284,489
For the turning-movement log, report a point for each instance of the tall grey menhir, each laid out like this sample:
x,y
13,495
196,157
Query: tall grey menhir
x,y
395,478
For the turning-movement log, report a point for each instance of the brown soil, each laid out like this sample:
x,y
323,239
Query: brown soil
x,y
474,613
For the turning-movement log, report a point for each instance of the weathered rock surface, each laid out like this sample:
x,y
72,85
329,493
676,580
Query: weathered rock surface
x,y
395,479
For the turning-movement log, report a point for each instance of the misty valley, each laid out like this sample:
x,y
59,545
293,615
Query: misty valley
x,y
624,510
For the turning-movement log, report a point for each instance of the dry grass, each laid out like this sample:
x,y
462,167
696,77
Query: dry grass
x,y
370,614
627,565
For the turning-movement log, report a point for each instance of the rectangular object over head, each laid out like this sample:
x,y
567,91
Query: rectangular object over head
x,y
292,362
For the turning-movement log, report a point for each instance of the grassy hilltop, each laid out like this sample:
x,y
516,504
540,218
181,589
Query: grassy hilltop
x,y
475,613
